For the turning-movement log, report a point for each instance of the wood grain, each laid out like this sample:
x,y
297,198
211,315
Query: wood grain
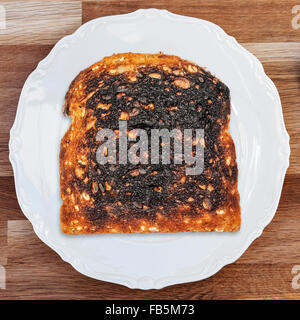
x,y
3,242
248,21
39,22
264,270
9,207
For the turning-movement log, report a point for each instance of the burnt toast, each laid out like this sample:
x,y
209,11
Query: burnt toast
x,y
148,91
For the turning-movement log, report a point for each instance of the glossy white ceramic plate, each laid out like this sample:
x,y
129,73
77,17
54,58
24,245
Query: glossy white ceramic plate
x,y
257,126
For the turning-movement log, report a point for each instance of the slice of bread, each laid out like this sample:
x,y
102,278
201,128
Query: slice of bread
x,y
148,91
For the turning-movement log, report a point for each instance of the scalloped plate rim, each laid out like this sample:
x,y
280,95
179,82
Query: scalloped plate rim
x,y
145,282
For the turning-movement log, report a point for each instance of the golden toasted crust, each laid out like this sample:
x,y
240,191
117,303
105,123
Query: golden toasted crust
x,y
78,211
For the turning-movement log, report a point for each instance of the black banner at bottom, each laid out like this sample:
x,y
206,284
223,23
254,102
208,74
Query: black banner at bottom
x,y
147,309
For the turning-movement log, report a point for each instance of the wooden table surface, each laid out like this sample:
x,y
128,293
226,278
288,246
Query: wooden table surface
x,y
270,30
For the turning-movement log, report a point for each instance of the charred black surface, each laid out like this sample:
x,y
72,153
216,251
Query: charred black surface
x,y
156,102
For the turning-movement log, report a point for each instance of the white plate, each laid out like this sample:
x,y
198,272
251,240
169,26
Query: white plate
x,y
257,126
